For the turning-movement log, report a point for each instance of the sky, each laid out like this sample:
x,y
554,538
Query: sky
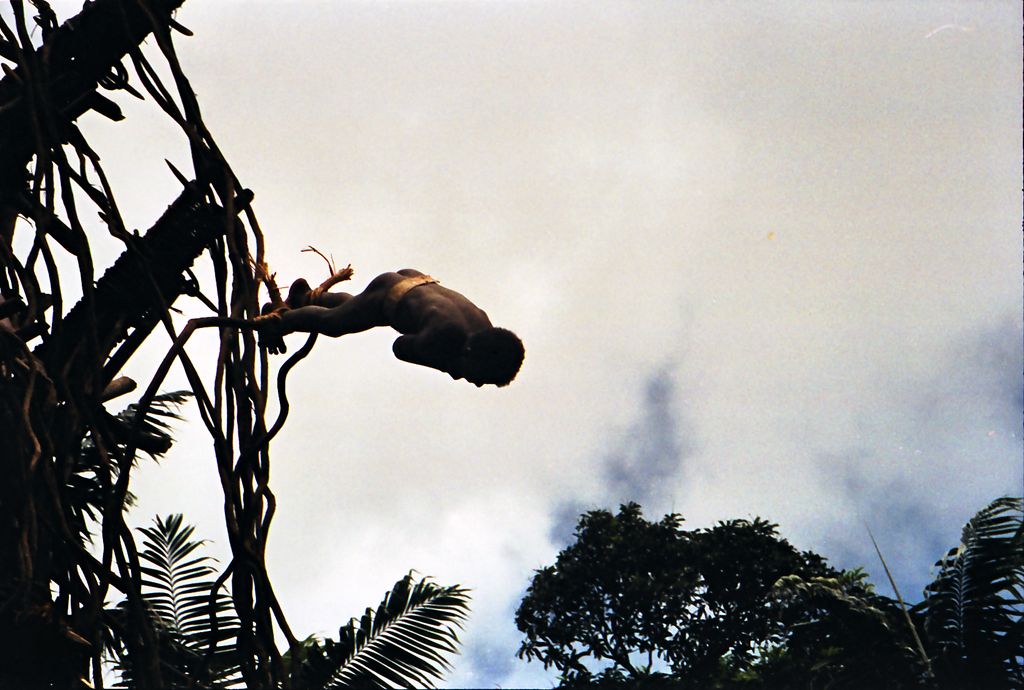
x,y
765,258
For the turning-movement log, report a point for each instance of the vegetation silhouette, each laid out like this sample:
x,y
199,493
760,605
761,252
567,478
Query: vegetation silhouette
x,y
642,604
66,463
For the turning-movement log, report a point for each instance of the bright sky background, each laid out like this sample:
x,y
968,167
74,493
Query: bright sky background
x,y
765,259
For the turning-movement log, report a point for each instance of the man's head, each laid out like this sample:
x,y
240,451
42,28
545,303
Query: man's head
x,y
492,356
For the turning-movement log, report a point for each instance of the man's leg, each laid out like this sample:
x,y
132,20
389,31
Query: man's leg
x,y
351,315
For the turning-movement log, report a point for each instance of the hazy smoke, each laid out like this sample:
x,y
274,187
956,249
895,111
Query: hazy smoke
x,y
999,356
646,465
956,425
908,527
652,454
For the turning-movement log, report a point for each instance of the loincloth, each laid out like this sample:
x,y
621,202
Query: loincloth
x,y
398,290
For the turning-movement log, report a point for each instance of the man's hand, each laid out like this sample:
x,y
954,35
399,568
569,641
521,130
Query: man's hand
x,y
270,328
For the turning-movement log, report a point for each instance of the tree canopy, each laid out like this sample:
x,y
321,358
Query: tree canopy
x,y
635,593
648,604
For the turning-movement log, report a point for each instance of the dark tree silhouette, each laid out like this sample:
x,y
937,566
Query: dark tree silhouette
x,y
649,605
65,461
635,593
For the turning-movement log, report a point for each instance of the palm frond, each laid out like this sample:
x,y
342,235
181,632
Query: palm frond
x,y
172,578
401,644
156,423
192,619
973,608
92,479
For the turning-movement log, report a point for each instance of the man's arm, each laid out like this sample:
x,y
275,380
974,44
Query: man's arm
x,y
437,348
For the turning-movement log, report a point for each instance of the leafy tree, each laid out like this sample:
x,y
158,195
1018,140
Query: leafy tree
x,y
613,595
839,635
630,593
735,606
967,633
